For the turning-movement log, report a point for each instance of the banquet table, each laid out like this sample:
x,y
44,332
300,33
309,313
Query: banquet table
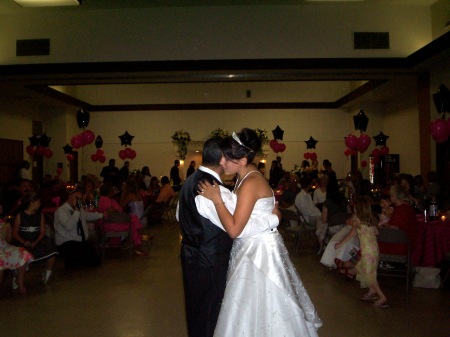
x,y
433,242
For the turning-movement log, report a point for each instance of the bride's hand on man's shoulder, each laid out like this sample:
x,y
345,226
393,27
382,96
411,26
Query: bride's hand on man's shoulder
x,y
208,190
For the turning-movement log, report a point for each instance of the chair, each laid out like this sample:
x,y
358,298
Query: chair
x,y
170,209
122,220
304,231
391,235
337,219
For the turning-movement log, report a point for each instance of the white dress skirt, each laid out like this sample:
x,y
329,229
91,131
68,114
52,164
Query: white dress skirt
x,y
344,252
264,296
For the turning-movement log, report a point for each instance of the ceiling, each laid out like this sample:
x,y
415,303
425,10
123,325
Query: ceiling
x,y
230,84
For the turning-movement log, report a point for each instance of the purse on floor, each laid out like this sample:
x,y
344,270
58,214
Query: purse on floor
x,y
427,277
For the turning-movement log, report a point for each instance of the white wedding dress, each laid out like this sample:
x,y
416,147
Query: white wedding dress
x,y
264,296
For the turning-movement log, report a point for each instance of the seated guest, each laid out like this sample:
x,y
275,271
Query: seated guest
x,y
146,178
403,217
154,186
344,256
71,233
165,195
29,232
131,200
107,203
88,192
320,193
304,203
386,211
12,257
25,189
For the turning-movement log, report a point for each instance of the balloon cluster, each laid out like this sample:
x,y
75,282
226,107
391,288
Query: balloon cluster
x,y
128,152
381,149
276,146
99,155
310,144
355,144
439,128
82,139
40,146
310,155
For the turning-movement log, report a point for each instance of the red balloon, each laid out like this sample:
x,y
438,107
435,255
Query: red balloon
x,y
77,141
313,156
48,152
59,171
128,152
102,159
384,151
351,141
69,156
282,147
132,155
31,150
40,150
273,145
439,130
375,152
363,163
354,152
94,157
100,153
88,137
347,152
306,155
363,143
122,154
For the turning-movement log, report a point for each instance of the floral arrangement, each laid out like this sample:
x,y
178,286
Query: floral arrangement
x,y
220,133
182,139
262,135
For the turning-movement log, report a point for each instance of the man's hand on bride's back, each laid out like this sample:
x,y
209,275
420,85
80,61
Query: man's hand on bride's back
x,y
276,211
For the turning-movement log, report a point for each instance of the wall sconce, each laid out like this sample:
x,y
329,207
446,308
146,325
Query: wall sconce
x,y
47,3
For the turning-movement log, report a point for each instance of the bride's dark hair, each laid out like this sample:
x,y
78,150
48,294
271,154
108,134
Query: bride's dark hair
x,y
246,145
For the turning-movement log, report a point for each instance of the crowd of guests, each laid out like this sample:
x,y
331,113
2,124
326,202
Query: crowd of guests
x,y
53,219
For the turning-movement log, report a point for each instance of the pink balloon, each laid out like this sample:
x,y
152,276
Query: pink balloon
x,y
347,152
351,141
384,151
282,147
313,156
363,163
132,155
102,159
363,143
306,155
128,152
439,130
88,137
122,154
76,142
94,157
273,145
48,152
100,153
69,156
375,152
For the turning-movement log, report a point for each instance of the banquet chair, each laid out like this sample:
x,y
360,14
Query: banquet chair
x,y
391,235
104,233
304,231
170,209
336,220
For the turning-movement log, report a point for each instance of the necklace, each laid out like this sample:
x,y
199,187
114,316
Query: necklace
x,y
239,181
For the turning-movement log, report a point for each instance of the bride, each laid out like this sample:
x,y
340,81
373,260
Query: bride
x,y
264,296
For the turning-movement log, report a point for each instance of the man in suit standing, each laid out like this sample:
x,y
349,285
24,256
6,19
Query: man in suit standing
x,y
205,246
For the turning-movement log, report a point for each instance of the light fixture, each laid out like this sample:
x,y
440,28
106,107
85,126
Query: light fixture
x,y
47,3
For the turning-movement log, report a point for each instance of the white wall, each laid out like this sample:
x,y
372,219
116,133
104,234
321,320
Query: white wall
x,y
199,33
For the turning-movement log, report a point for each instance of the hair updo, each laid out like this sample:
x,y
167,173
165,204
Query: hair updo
x,y
250,146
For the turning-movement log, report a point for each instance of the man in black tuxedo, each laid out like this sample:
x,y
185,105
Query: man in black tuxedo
x,y
205,246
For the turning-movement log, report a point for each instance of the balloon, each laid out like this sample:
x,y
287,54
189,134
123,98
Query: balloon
x,y
384,151
360,121
88,137
363,143
100,153
442,99
273,145
76,141
94,157
347,152
128,152
67,149
311,143
40,150
34,141
313,156
306,155
278,133
82,118
69,156
59,171
351,141
98,142
122,154
132,155
102,159
48,152
282,147
31,150
375,152
380,139
126,139
44,140
439,130
363,163
354,152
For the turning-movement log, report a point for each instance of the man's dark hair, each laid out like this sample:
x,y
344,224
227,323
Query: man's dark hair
x,y
165,180
212,152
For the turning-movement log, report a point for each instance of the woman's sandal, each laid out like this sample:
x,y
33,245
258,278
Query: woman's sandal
x,y
382,305
369,297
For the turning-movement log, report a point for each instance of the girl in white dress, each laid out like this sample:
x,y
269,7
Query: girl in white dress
x,y
264,296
